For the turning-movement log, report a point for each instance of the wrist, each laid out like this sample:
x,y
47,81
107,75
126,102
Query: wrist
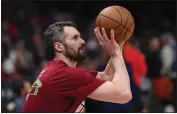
x,y
117,57
117,53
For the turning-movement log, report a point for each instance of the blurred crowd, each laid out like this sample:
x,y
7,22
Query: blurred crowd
x,y
150,54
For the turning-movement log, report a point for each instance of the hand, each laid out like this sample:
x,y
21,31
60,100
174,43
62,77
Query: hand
x,y
109,45
121,45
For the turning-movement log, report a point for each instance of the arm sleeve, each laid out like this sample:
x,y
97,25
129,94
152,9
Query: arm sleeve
x,y
77,83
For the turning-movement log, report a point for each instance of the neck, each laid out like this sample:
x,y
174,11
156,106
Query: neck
x,y
69,62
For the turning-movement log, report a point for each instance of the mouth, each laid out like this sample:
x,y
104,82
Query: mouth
x,y
82,48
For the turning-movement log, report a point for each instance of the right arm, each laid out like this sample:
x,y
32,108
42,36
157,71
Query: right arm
x,y
117,90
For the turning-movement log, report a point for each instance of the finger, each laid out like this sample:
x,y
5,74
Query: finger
x,y
105,35
121,45
98,35
112,34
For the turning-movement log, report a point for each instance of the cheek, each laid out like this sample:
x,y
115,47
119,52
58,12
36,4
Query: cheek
x,y
72,45
75,48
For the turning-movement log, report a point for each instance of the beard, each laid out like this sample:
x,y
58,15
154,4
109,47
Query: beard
x,y
74,55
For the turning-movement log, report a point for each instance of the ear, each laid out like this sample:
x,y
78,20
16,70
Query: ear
x,y
58,46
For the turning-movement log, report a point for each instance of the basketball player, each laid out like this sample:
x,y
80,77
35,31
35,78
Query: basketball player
x,y
61,87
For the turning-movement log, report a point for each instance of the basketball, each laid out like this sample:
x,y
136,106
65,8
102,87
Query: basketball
x,y
119,19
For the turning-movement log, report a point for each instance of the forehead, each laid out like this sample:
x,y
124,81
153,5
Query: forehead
x,y
70,31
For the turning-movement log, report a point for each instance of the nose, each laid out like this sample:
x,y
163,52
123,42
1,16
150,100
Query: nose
x,y
82,42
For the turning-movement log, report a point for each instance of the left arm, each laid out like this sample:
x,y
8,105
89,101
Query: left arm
x,y
108,73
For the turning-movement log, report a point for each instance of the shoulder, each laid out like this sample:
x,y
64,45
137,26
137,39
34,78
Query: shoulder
x,y
54,69
79,75
76,72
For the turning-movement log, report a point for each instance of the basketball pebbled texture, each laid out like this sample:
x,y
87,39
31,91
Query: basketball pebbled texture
x,y
119,19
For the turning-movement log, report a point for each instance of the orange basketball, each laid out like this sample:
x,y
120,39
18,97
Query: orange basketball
x,y
119,19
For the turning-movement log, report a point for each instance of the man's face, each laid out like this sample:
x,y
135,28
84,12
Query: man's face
x,y
74,45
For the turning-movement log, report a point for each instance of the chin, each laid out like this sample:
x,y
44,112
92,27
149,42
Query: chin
x,y
81,57
82,52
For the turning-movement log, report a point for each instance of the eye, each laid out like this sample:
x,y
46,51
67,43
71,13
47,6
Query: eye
x,y
75,37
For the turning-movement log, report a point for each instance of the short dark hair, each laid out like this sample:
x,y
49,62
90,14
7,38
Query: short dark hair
x,y
55,33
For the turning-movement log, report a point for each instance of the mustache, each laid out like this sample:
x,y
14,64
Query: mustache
x,y
82,46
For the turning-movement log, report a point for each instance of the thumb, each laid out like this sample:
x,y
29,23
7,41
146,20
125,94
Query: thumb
x,y
112,34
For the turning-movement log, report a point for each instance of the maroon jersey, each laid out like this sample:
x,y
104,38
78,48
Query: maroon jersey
x,y
60,88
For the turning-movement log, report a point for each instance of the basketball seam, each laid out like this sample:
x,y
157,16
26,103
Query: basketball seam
x,y
126,24
120,22
122,8
114,21
129,27
120,33
120,17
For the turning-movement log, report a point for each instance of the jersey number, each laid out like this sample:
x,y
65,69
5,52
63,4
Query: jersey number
x,y
35,87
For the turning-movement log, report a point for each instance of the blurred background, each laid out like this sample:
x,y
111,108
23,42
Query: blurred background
x,y
150,54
